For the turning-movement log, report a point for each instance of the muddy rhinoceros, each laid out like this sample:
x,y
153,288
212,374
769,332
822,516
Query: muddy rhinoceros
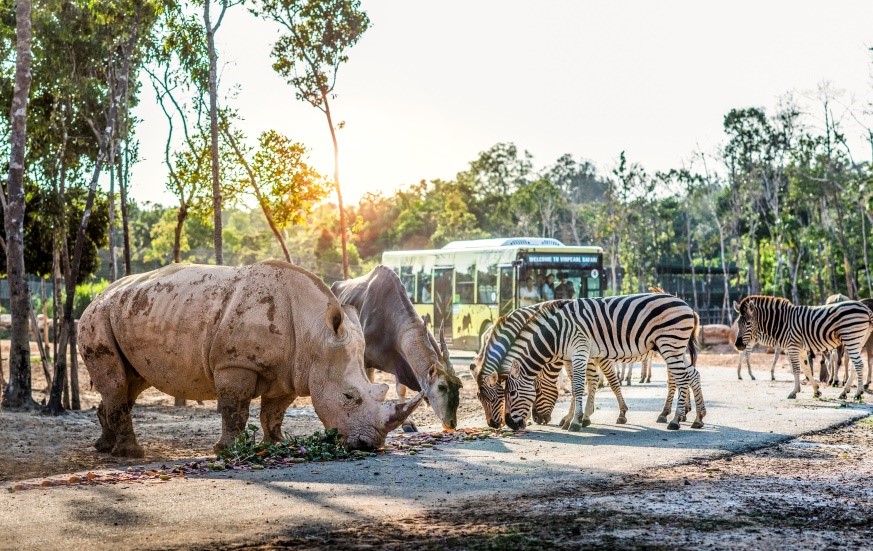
x,y
233,333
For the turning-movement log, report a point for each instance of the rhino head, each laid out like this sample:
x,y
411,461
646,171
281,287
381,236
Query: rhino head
x,y
342,395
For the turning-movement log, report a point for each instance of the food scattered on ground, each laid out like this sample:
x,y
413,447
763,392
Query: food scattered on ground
x,y
247,454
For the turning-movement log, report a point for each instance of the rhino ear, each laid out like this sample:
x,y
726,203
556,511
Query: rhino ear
x,y
335,318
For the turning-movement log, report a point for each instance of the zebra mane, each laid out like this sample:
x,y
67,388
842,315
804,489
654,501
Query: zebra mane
x,y
766,299
505,331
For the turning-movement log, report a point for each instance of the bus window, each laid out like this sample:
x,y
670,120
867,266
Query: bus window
x,y
464,286
507,290
407,278
425,287
593,285
487,284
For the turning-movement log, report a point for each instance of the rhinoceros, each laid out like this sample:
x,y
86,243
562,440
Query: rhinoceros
x,y
199,332
398,342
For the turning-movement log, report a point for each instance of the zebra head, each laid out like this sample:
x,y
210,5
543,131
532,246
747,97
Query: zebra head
x,y
520,394
491,396
746,324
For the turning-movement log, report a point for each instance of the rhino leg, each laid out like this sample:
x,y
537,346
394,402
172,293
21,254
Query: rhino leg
x,y
272,413
107,437
235,389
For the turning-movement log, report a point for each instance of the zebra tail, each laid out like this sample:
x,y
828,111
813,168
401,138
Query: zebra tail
x,y
692,341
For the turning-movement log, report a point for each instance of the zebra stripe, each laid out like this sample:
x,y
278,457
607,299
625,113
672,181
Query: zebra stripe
x,y
599,332
774,321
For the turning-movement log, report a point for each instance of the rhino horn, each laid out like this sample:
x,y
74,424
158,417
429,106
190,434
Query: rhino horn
x,y
395,413
444,350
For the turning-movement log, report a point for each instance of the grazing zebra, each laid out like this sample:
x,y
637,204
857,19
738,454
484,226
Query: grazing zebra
x,y
489,373
774,321
597,333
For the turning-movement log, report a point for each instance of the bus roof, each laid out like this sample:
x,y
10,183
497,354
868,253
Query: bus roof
x,y
498,245
503,242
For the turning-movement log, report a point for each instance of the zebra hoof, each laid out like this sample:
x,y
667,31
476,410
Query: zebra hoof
x,y
673,426
586,422
574,427
621,420
816,394
697,425
772,378
859,398
739,377
792,396
842,396
662,419
752,377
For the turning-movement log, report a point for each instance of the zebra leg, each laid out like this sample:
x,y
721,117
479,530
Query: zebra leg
x,y
748,354
807,370
773,365
592,378
700,404
794,359
615,384
648,364
668,404
681,376
854,354
565,421
630,372
740,365
582,374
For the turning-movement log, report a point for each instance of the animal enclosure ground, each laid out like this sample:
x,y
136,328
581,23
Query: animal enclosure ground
x,y
36,445
807,493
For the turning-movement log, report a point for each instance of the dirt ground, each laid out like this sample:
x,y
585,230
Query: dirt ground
x,y
33,445
808,493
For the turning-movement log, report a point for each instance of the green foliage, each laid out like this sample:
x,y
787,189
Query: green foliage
x,y
319,446
318,36
85,294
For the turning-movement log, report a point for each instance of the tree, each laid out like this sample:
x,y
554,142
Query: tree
x,y
285,187
17,394
309,56
211,29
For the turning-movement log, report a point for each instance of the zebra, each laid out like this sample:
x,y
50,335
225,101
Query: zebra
x,y
596,333
774,321
486,367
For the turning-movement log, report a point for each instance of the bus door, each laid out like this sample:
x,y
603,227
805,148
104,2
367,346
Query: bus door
x,y
507,290
443,297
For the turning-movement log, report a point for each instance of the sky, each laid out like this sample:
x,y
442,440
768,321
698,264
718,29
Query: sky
x,y
432,84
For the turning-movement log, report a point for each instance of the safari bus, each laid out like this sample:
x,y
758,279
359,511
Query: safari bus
x,y
467,284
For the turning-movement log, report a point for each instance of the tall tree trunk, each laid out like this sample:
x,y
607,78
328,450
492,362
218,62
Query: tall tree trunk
x,y
75,404
17,394
339,196
688,248
113,264
864,245
213,129
177,235
125,224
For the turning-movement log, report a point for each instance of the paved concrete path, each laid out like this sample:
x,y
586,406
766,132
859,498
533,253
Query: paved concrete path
x,y
248,507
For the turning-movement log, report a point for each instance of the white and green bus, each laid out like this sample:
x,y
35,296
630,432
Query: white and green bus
x,y
468,284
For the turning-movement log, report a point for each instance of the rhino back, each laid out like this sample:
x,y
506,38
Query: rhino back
x,y
178,325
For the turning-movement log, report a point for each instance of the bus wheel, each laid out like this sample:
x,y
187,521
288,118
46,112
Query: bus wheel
x,y
485,327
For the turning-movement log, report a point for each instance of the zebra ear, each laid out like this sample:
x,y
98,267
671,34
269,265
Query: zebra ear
x,y
736,306
492,379
515,371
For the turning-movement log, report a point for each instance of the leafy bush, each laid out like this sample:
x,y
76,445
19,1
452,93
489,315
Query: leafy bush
x,y
85,294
